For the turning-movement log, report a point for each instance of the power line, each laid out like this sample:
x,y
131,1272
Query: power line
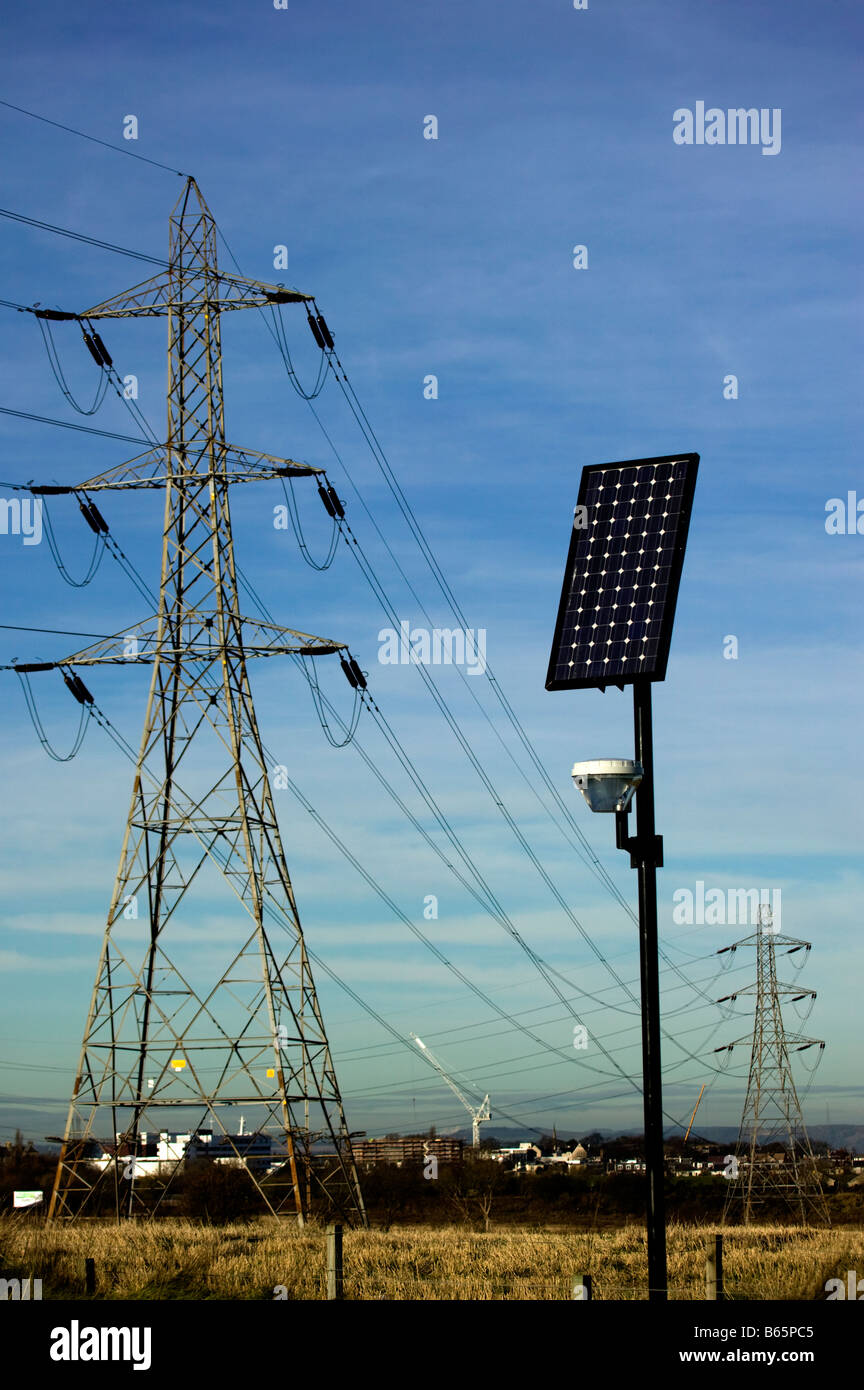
x,y
466,745
404,506
215,851
40,731
59,375
490,1074
56,631
377,1049
581,844
82,236
69,425
504,1014
414,525
497,910
70,130
508,1017
372,440
545,1047
498,913
372,882
366,429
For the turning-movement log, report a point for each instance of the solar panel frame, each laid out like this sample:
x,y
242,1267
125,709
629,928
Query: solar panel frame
x,y
672,556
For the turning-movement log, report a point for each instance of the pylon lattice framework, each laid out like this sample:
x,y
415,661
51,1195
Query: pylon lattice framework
x,y
772,1112
251,1035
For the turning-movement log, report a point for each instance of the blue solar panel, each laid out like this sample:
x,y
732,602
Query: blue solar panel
x,y
623,570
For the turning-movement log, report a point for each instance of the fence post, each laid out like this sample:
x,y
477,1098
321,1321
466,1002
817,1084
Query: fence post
x,y
582,1287
90,1275
334,1262
714,1268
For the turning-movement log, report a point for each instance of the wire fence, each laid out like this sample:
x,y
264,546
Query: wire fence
x,y
180,1259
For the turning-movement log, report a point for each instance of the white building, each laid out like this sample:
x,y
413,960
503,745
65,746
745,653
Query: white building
x,y
172,1147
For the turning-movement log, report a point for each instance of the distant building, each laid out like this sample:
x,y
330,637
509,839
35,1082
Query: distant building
x,y
158,1155
411,1149
240,1150
575,1157
524,1154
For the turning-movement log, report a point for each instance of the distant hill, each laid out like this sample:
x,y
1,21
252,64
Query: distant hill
x,y
838,1136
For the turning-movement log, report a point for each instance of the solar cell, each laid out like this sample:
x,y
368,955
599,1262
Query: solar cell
x,y
623,570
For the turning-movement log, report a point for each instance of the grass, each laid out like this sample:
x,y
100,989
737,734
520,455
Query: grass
x,y
183,1260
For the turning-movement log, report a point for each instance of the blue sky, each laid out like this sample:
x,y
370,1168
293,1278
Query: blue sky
x,y
454,257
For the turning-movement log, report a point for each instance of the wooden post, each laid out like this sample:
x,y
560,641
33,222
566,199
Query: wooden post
x,y
714,1268
334,1262
582,1287
90,1276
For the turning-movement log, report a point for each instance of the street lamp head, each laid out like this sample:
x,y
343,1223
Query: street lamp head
x,y
608,784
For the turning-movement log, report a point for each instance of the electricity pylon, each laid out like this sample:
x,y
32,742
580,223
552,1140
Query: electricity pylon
x,y
759,1182
172,1030
479,1114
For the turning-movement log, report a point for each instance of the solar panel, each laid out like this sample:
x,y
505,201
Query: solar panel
x,y
623,570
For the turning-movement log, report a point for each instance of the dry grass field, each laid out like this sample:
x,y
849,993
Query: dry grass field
x,y
182,1260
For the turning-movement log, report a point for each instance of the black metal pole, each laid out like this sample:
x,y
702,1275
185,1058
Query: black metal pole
x,y
649,857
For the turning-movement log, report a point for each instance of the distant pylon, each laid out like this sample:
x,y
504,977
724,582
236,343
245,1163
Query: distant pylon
x,y
759,1182
175,1038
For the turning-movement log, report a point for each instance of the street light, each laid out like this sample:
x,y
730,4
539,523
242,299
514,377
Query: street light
x,y
614,627
608,784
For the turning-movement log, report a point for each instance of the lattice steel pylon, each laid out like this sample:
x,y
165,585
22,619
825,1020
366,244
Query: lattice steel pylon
x,y
173,1031
761,1182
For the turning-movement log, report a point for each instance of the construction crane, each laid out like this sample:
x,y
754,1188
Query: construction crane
x,y
479,1114
693,1116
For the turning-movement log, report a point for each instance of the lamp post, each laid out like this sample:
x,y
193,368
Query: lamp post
x,y
614,627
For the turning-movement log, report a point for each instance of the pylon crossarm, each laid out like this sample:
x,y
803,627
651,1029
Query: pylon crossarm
x,y
134,647
311,645
197,652
754,990
258,293
778,938
150,470
148,298
192,290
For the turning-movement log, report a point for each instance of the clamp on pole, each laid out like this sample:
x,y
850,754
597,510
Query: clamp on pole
x,y
648,850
